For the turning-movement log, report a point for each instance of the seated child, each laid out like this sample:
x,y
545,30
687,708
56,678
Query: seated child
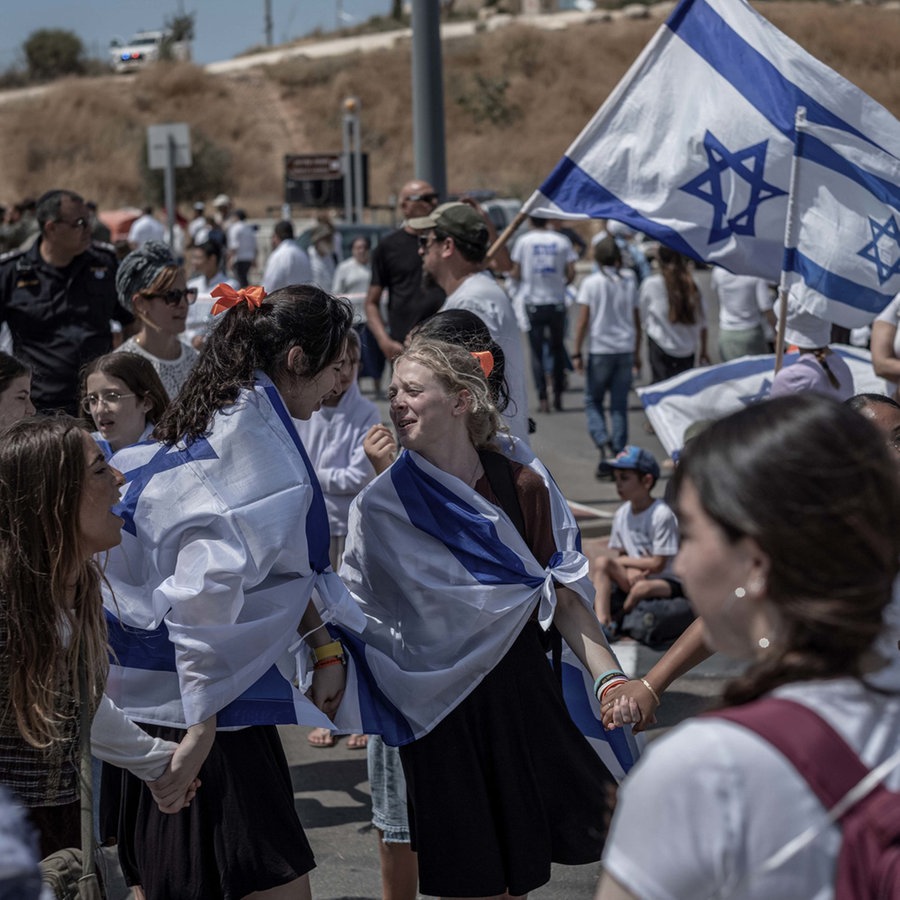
x,y
644,535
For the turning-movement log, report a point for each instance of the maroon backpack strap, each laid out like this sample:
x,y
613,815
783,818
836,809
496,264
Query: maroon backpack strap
x,y
811,745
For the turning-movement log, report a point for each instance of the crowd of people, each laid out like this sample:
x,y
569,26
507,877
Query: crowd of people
x,y
207,532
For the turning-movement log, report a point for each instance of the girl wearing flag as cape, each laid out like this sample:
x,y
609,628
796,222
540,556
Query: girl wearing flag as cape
x,y
225,541
459,555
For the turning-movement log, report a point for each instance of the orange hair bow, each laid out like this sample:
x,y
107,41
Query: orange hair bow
x,y
227,297
485,360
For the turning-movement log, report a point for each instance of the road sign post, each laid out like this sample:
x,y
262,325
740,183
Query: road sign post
x,y
168,148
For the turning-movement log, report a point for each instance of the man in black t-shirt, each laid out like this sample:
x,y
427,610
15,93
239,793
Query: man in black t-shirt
x,y
397,268
58,297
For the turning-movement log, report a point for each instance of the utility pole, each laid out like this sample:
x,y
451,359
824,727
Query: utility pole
x,y
268,21
428,96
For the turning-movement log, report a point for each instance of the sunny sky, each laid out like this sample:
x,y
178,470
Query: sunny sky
x,y
223,27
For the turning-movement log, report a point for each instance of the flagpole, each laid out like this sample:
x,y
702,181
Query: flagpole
x,y
506,234
799,123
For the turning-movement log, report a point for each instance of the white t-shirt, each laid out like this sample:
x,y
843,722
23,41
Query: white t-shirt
x,y
891,315
199,318
653,532
611,297
482,295
172,372
241,238
674,338
146,228
708,803
543,256
742,299
351,280
287,264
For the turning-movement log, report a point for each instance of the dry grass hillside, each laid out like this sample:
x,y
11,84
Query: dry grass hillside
x,y
514,100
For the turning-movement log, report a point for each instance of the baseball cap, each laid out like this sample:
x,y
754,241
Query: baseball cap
x,y
458,220
199,206
632,457
222,200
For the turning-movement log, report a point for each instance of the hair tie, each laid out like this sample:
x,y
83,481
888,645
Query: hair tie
x,y
228,297
485,360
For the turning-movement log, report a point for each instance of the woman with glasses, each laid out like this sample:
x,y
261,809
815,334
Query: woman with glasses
x,y
152,286
123,397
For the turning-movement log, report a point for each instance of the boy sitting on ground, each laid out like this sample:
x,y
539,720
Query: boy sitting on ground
x,y
644,535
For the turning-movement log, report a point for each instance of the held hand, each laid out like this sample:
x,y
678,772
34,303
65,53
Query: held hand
x,y
327,689
578,363
629,704
380,447
181,780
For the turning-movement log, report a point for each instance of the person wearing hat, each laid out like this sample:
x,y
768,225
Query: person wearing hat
x,y
818,368
453,242
58,297
151,285
397,269
544,263
322,258
644,538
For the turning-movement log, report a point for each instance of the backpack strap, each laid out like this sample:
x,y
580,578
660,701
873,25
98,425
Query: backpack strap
x,y
827,762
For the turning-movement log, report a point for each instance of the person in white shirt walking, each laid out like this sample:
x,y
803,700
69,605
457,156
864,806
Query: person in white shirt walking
x,y
287,263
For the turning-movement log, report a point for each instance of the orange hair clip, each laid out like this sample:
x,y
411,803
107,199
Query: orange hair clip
x,y
485,360
227,297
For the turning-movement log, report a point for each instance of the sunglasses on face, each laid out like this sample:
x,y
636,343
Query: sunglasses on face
x,y
415,198
175,296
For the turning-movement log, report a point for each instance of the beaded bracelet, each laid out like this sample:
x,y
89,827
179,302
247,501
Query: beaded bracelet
x,y
603,677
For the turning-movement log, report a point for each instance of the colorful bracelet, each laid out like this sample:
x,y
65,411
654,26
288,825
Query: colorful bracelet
x,y
331,661
603,677
610,686
326,651
653,693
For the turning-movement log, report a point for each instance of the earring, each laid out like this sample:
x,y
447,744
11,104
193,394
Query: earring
x,y
740,593
763,643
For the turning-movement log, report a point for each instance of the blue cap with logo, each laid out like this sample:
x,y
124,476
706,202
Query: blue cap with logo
x,y
632,457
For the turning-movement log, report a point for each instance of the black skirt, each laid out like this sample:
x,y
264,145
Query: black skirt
x,y
240,834
505,784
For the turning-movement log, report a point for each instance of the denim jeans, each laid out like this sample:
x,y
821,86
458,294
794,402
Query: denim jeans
x,y
549,319
608,373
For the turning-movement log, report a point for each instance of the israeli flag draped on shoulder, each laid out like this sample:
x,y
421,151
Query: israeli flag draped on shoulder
x,y
712,392
842,251
694,145
446,583
225,540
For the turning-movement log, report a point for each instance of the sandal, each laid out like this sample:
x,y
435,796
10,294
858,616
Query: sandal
x,y
320,737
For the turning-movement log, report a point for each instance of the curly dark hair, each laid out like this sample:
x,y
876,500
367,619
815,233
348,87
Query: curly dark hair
x,y
250,338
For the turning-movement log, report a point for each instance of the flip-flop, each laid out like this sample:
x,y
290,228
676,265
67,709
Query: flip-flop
x,y
320,737
357,742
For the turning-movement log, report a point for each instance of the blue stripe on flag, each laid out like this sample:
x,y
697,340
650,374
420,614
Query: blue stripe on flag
x,y
833,286
268,701
709,377
571,188
579,706
467,534
318,533
379,715
747,70
811,148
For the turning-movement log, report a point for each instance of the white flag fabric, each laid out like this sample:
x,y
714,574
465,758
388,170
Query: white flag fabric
x,y
224,543
842,262
447,583
694,146
712,392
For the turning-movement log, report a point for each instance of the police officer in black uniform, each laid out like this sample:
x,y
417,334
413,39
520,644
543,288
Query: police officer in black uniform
x,y
58,297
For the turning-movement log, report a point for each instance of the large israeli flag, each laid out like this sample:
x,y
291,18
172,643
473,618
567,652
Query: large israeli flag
x,y
712,392
842,259
447,583
694,146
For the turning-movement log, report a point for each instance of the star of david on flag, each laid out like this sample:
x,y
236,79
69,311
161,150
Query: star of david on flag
x,y
694,146
842,254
